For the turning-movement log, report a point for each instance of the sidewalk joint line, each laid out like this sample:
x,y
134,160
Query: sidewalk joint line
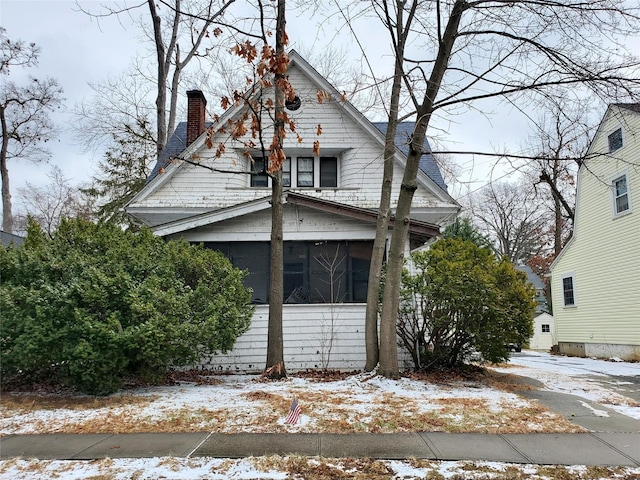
x,y
612,447
199,445
92,445
529,460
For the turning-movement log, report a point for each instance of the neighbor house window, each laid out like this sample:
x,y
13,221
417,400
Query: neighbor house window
x,y
305,171
615,140
259,176
620,195
546,328
568,292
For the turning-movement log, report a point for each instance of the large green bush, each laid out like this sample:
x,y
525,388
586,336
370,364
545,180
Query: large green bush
x,y
96,305
459,301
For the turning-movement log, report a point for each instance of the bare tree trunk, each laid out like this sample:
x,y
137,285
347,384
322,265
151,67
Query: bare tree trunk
x,y
275,345
391,298
384,210
7,214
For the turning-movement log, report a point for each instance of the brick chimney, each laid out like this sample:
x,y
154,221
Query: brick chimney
x,y
196,104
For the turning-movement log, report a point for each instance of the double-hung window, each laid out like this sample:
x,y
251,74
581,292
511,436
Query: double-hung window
x,y
620,195
305,171
568,291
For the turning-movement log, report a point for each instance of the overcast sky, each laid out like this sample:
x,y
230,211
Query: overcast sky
x,y
76,50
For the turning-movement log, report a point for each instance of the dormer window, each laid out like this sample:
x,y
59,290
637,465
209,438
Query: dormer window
x,y
299,172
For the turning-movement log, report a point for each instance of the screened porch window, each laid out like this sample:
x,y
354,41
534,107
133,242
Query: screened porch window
x,y
314,272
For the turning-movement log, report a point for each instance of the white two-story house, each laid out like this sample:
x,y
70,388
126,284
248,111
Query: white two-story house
x,y
330,211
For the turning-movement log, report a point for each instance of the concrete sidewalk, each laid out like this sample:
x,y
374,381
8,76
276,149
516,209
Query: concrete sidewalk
x,y
595,448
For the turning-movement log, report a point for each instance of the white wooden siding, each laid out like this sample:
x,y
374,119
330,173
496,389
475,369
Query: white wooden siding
x,y
360,164
604,255
307,330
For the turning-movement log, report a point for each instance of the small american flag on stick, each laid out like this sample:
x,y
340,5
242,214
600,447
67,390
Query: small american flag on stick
x,y
294,413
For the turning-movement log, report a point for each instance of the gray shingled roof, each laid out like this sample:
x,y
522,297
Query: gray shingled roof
x,y
427,163
635,107
177,143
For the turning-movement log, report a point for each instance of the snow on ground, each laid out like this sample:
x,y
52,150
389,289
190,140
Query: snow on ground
x,y
577,376
360,392
170,468
241,403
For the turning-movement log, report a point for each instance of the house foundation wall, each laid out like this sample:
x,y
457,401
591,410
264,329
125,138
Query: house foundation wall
x,y
628,353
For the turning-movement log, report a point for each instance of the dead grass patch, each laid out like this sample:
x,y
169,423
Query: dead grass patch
x,y
24,403
317,468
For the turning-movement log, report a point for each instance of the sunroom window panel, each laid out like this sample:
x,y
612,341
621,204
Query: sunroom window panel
x,y
328,275
305,171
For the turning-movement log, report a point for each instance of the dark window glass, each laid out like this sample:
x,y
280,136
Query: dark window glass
x,y
546,328
305,171
251,256
328,172
567,288
615,140
314,272
259,176
328,277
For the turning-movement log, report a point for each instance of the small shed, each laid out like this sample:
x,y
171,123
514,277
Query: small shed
x,y
544,333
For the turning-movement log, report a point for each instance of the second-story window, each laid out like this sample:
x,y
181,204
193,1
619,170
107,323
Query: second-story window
x,y
620,194
305,171
259,176
299,172
615,140
328,172
286,172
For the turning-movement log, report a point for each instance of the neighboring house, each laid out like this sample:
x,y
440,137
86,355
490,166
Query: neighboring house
x,y
533,279
8,239
544,336
330,210
596,278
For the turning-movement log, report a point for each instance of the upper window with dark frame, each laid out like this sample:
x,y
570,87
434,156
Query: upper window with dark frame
x,y
328,172
615,140
305,171
259,177
620,194
286,172
299,172
568,292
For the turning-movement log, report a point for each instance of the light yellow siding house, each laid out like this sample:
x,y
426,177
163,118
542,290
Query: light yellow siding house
x,y
596,278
